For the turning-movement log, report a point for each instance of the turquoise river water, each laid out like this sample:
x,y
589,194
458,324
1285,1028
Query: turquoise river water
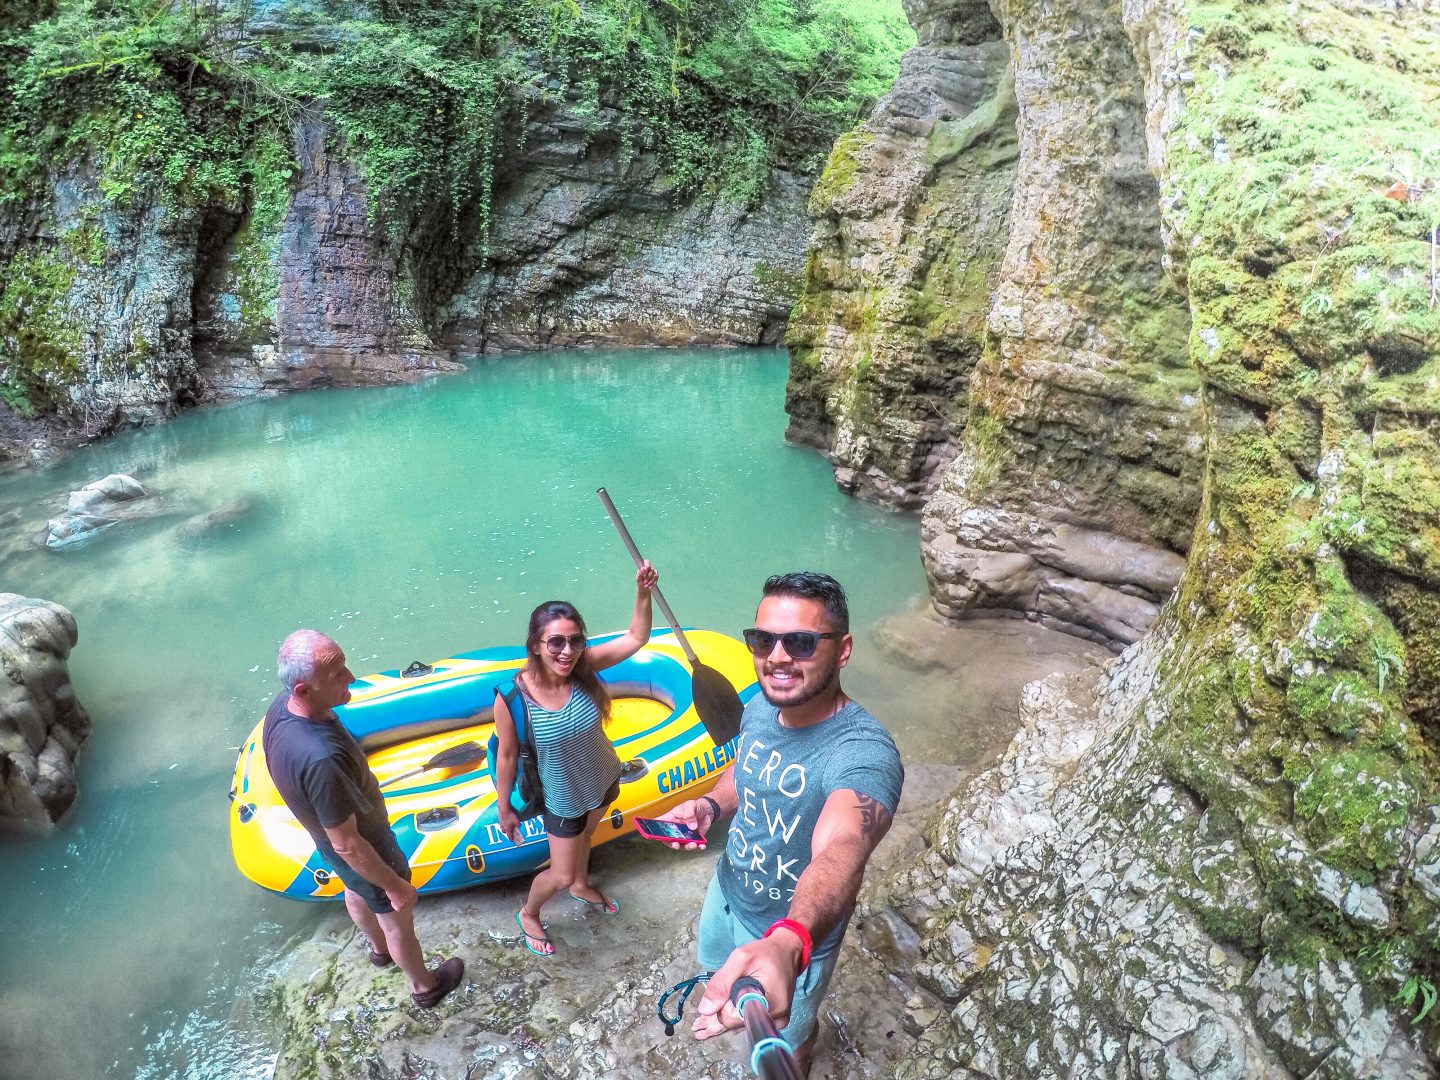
x,y
411,523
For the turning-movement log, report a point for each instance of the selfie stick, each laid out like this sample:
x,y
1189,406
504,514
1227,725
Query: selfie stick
x,y
770,1055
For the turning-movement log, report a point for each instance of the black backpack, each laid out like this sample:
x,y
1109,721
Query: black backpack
x,y
527,798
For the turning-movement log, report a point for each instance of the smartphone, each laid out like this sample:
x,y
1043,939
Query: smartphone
x,y
669,831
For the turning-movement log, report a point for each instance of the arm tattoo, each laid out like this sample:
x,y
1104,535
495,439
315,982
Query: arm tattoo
x,y
872,814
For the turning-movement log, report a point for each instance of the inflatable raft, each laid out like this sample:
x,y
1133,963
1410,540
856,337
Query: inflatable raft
x,y
445,819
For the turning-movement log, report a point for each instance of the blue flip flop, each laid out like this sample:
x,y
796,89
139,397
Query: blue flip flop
x,y
542,937
611,906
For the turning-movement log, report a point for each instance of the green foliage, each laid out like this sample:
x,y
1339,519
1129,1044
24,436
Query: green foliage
x,y
177,94
189,104
1417,986
39,344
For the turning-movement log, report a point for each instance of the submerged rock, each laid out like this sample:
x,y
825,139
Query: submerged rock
x,y
104,494
223,517
42,725
99,505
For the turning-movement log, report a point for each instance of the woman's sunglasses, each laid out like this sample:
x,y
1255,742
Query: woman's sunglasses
x,y
556,645
799,644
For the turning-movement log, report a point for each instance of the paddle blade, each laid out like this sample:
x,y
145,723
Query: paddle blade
x,y
451,757
717,704
459,754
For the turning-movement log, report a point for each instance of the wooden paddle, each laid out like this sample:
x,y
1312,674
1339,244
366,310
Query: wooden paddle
x,y
463,753
716,702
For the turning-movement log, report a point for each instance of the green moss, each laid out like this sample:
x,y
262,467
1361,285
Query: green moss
x,y
777,282
40,343
1297,697
840,170
1359,801
985,449
1340,704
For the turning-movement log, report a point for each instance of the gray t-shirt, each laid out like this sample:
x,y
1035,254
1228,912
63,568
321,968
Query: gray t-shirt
x,y
783,777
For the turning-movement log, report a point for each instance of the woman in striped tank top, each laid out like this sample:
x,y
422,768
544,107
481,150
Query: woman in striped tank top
x,y
579,769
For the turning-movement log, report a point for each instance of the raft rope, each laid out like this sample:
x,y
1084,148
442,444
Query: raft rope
x,y
683,989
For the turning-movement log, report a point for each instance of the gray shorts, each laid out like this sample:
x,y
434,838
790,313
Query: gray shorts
x,y
721,932
376,898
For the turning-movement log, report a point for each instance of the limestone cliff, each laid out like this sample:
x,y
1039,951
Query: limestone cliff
x,y
298,260
1225,859
986,326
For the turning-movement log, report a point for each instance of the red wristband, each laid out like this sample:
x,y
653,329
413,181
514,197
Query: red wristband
x,y
798,929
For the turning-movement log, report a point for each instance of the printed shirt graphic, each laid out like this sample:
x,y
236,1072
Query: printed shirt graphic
x,y
577,761
783,777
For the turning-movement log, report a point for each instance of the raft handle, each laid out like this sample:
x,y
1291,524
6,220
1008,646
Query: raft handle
x,y
416,669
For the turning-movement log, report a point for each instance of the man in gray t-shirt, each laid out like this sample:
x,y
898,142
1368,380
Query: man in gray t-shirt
x,y
814,785
322,774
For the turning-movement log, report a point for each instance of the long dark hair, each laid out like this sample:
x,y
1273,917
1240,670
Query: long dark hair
x,y
584,671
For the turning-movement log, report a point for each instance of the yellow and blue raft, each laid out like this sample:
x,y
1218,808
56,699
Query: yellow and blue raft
x,y
445,820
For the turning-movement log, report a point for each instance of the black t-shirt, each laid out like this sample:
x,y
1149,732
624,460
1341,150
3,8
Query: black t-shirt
x,y
321,773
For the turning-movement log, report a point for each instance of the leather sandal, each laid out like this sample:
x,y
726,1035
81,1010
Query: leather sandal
x,y
378,957
447,978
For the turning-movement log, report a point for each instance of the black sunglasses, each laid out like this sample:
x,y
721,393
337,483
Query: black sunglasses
x,y
799,644
556,645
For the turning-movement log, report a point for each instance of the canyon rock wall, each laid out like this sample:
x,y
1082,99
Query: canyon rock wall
x,y
1223,860
986,322
589,247
142,308
911,217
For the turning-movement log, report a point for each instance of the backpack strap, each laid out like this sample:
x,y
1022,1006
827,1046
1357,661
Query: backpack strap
x,y
509,692
515,701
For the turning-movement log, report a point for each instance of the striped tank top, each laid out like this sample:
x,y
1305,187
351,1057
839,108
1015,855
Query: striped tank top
x,y
577,761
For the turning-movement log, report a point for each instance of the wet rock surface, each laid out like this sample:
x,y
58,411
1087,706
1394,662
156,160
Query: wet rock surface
x,y
97,506
332,291
986,327
910,218
589,247
42,725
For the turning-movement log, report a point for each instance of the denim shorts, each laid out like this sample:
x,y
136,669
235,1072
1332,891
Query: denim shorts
x,y
376,898
564,827
721,932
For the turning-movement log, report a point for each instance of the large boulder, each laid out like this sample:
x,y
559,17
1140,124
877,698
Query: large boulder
x,y
97,506
42,725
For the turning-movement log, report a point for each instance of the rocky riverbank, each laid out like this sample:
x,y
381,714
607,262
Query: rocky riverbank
x,y
589,1011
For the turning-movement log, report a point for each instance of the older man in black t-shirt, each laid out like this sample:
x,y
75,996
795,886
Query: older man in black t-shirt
x,y
321,773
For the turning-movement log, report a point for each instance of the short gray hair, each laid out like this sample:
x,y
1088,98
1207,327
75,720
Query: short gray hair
x,y
296,661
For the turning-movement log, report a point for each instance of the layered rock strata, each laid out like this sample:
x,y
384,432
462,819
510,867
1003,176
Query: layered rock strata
x,y
589,247
330,304
150,308
1228,864
910,221
42,725
986,322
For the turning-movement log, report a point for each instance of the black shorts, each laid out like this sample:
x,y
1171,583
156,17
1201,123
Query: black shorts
x,y
376,899
565,827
